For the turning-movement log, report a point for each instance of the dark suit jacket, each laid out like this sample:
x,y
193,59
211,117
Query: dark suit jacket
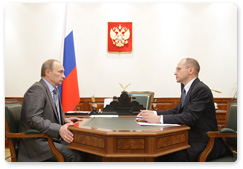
x,y
38,112
198,113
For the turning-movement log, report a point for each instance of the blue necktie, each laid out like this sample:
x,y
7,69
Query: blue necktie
x,y
183,96
55,98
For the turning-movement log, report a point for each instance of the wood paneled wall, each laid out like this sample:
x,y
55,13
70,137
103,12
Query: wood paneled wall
x,y
162,104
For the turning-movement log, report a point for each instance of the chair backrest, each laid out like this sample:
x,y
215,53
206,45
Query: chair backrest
x,y
144,98
231,121
12,115
232,115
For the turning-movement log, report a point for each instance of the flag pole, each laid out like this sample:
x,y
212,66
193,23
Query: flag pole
x,y
62,47
63,33
69,89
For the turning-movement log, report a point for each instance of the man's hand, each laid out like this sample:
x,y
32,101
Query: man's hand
x,y
66,134
149,116
145,112
72,119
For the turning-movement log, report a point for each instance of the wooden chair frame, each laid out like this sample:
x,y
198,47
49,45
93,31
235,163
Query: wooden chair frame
x,y
214,134
10,136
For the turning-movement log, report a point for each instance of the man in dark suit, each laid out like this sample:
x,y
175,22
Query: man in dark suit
x,y
195,109
42,113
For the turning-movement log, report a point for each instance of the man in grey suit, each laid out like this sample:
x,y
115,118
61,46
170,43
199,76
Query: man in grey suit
x,y
42,113
195,109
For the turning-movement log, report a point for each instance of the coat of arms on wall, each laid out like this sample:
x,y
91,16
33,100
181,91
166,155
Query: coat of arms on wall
x,y
119,37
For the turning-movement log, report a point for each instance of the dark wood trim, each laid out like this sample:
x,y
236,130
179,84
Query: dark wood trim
x,y
162,103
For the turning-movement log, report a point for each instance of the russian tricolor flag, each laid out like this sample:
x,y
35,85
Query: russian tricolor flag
x,y
69,90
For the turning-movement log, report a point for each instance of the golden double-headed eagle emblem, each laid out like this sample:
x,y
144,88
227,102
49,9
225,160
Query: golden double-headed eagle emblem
x,y
119,36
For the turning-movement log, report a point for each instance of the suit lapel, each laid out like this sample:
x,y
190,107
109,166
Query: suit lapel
x,y
60,107
189,93
49,96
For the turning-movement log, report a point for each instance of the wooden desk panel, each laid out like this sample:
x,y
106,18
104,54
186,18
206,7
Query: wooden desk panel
x,y
142,143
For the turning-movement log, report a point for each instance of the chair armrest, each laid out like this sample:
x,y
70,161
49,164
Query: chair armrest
x,y
212,135
37,134
32,131
223,133
23,135
227,131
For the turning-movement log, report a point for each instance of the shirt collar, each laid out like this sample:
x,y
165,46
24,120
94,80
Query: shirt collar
x,y
188,85
51,88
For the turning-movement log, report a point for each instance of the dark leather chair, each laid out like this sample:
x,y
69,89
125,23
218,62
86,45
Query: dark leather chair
x,y
144,98
229,134
12,118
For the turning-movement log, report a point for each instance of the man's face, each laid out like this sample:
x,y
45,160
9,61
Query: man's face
x,y
56,75
182,72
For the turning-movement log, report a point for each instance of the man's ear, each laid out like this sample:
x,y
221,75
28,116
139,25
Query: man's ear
x,y
47,72
191,70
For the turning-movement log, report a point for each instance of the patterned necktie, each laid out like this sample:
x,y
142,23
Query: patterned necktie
x,y
183,96
55,99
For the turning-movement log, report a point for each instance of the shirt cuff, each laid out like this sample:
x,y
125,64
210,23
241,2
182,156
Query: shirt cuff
x,y
161,117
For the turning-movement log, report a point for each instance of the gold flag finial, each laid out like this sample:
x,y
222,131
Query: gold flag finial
x,y
215,91
93,98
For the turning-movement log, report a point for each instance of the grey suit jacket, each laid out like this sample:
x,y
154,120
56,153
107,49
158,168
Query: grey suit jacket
x,y
38,112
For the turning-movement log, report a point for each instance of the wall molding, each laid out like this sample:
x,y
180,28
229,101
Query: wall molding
x,y
162,103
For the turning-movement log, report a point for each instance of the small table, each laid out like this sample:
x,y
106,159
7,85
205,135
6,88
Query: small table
x,y
122,139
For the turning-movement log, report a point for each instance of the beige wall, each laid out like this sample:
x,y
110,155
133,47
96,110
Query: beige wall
x,y
163,33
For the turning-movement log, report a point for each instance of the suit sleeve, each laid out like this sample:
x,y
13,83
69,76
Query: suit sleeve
x,y
36,100
199,101
170,111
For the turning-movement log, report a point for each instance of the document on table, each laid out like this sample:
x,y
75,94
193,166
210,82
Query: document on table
x,y
107,116
156,124
78,112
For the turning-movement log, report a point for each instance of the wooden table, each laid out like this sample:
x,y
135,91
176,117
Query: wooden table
x,y
122,139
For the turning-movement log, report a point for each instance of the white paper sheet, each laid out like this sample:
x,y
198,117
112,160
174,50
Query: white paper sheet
x,y
107,102
83,112
107,116
156,124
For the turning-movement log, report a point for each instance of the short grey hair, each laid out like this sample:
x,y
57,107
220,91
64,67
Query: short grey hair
x,y
194,63
47,65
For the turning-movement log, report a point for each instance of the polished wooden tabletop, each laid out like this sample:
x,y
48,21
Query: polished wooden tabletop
x,y
121,125
122,138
